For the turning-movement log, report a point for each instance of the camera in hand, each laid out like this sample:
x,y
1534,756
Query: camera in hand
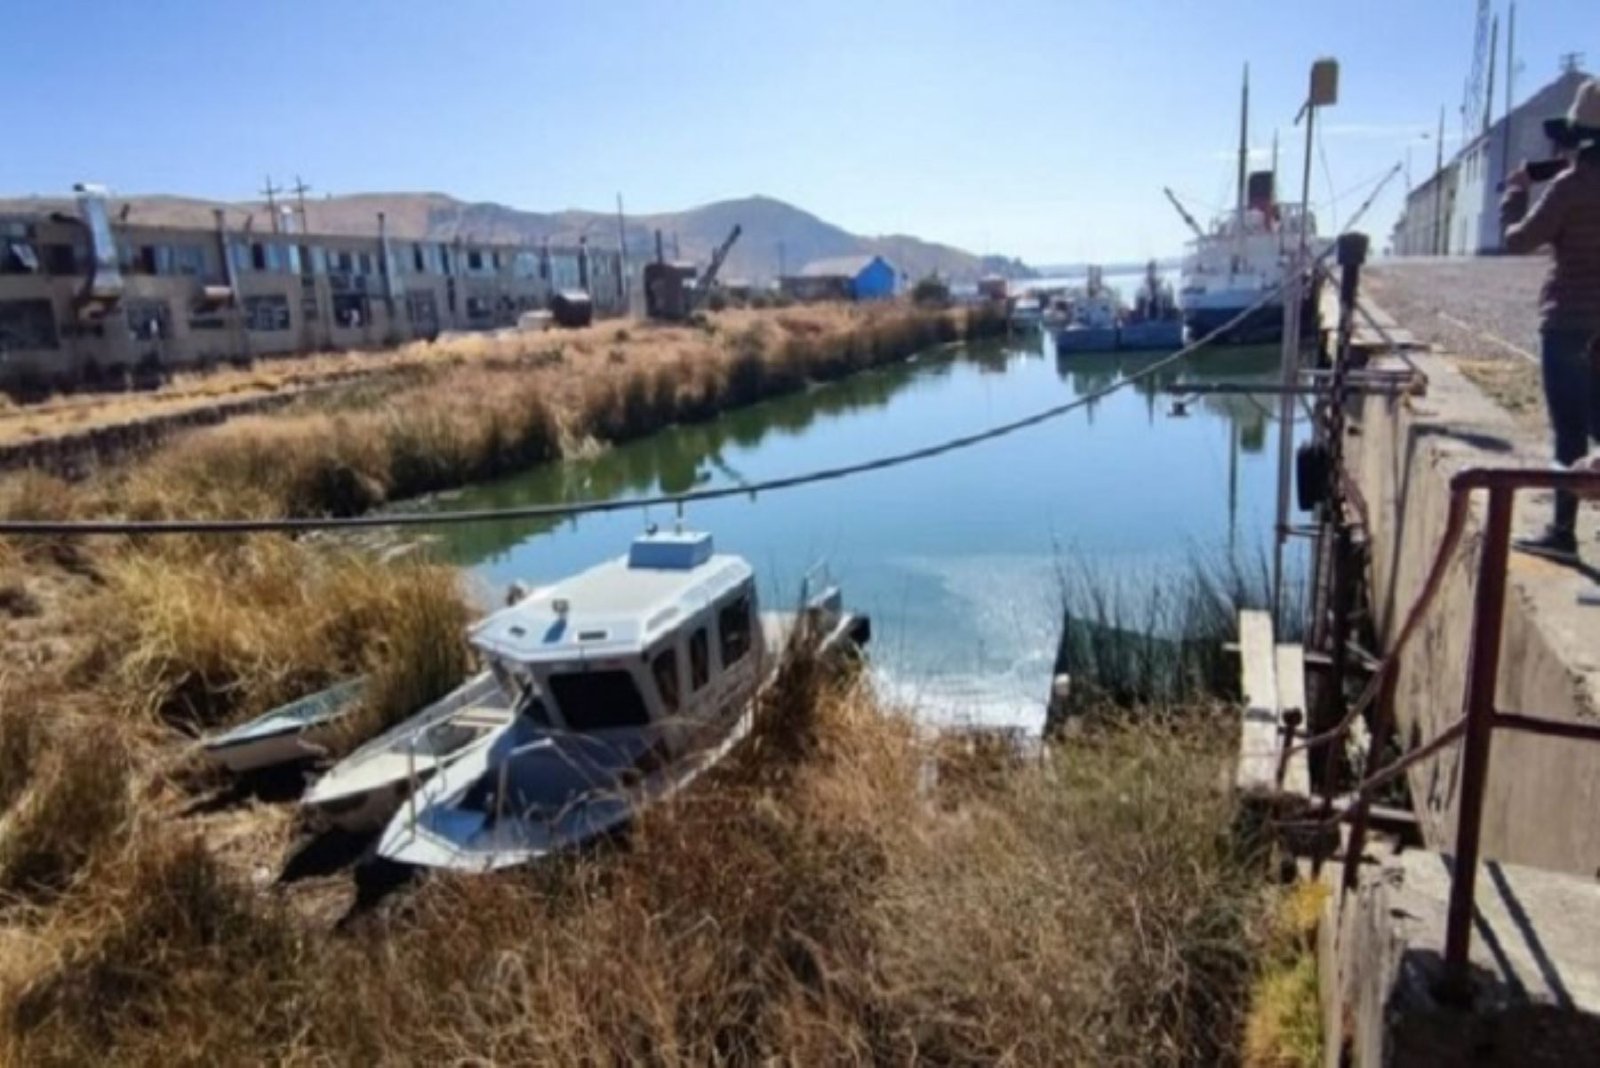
x,y
1540,170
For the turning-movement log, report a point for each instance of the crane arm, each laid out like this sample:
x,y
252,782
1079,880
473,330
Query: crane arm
x,y
1194,227
710,277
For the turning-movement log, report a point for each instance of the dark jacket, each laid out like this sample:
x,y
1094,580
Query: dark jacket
x,y
1567,218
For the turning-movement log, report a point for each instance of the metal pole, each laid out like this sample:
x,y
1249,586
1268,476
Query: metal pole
x,y
1483,673
1293,297
1438,189
1511,76
625,282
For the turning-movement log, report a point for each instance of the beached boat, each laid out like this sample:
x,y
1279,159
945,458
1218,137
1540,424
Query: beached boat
x,y
363,790
647,671
286,734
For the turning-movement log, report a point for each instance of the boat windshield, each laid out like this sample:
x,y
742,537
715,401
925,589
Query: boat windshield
x,y
598,700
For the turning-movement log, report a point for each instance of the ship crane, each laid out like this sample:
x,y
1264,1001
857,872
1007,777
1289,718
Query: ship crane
x,y
1194,227
709,279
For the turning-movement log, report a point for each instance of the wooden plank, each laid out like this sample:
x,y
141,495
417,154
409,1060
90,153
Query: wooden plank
x,y
1258,741
1291,675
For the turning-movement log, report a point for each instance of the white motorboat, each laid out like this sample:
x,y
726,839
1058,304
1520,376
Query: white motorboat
x,y
291,732
362,791
647,670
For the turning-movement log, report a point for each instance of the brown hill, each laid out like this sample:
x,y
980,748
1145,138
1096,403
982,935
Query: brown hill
x,y
774,232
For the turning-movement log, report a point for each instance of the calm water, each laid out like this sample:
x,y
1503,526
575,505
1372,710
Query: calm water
x,y
956,558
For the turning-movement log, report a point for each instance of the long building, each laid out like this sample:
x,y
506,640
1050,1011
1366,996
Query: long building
x,y
1456,210
87,295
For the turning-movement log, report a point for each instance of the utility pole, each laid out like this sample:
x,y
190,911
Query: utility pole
x,y
300,189
1322,92
1438,189
271,193
622,255
677,255
1511,76
1488,96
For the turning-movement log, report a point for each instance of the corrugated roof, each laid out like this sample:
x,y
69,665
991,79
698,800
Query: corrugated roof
x,y
836,267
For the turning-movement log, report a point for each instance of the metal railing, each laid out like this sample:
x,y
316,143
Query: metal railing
x,y
1480,717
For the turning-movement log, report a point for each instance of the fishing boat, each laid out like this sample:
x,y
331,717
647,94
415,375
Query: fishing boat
x,y
1154,321
1026,313
643,673
286,734
1095,312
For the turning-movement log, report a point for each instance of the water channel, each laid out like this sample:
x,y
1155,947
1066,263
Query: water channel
x,y
958,559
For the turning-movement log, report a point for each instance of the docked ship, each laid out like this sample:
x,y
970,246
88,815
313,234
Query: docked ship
x,y
1094,315
1238,267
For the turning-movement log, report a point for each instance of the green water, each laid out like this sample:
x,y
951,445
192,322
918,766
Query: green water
x,y
956,558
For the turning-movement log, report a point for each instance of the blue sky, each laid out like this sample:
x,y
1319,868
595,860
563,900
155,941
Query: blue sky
x,y
1040,129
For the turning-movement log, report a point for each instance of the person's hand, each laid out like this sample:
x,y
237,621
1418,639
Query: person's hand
x,y
1519,179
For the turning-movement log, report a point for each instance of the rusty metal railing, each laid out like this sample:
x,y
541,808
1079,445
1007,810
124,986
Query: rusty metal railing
x,y
1480,717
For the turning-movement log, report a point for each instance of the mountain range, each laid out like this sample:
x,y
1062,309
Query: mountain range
x,y
776,236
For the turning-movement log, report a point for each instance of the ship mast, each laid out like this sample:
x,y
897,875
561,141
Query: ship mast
x,y
1244,137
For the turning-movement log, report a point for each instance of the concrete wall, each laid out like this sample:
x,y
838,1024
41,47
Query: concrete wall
x,y
1543,805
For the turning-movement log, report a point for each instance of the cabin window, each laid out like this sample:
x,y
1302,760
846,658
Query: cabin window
x,y
699,659
665,669
597,700
733,627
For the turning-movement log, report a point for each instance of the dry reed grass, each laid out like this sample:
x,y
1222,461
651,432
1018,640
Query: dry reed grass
x,y
211,637
1086,909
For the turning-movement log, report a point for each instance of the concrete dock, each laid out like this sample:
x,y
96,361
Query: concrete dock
x,y
1535,995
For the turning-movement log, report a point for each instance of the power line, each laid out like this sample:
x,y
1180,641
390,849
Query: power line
x,y
556,511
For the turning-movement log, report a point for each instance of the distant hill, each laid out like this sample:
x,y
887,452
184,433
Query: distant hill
x,y
768,225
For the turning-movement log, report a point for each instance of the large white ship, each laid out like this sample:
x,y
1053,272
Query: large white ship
x,y
1241,262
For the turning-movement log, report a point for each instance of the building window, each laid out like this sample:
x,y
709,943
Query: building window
x,y
366,263
27,324
258,257
60,260
188,260
479,308
17,257
351,310
418,261
148,320
444,258
266,313
423,312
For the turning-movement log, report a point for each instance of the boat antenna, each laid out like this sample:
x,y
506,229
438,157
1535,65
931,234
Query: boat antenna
x,y
677,525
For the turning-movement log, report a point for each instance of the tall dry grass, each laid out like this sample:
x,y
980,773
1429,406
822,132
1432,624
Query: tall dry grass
x,y
211,637
1086,909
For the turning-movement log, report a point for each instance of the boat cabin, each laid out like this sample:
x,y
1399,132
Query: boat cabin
x,y
669,632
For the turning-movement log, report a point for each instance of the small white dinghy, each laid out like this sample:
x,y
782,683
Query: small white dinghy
x,y
288,733
362,791
646,668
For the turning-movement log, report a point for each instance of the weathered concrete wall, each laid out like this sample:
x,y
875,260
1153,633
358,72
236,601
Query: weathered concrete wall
x,y
1544,794
1535,965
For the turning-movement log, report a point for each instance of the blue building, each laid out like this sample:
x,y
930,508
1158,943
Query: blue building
x,y
845,278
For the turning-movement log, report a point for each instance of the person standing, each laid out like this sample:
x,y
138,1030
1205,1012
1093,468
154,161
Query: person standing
x,y
1567,219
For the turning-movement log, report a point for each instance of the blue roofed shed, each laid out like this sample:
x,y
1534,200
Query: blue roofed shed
x,y
853,277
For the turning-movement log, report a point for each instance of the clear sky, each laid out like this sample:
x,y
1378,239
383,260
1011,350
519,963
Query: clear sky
x,y
1044,130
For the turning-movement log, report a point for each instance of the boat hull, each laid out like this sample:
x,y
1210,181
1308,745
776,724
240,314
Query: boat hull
x,y
1087,339
1262,326
1163,334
